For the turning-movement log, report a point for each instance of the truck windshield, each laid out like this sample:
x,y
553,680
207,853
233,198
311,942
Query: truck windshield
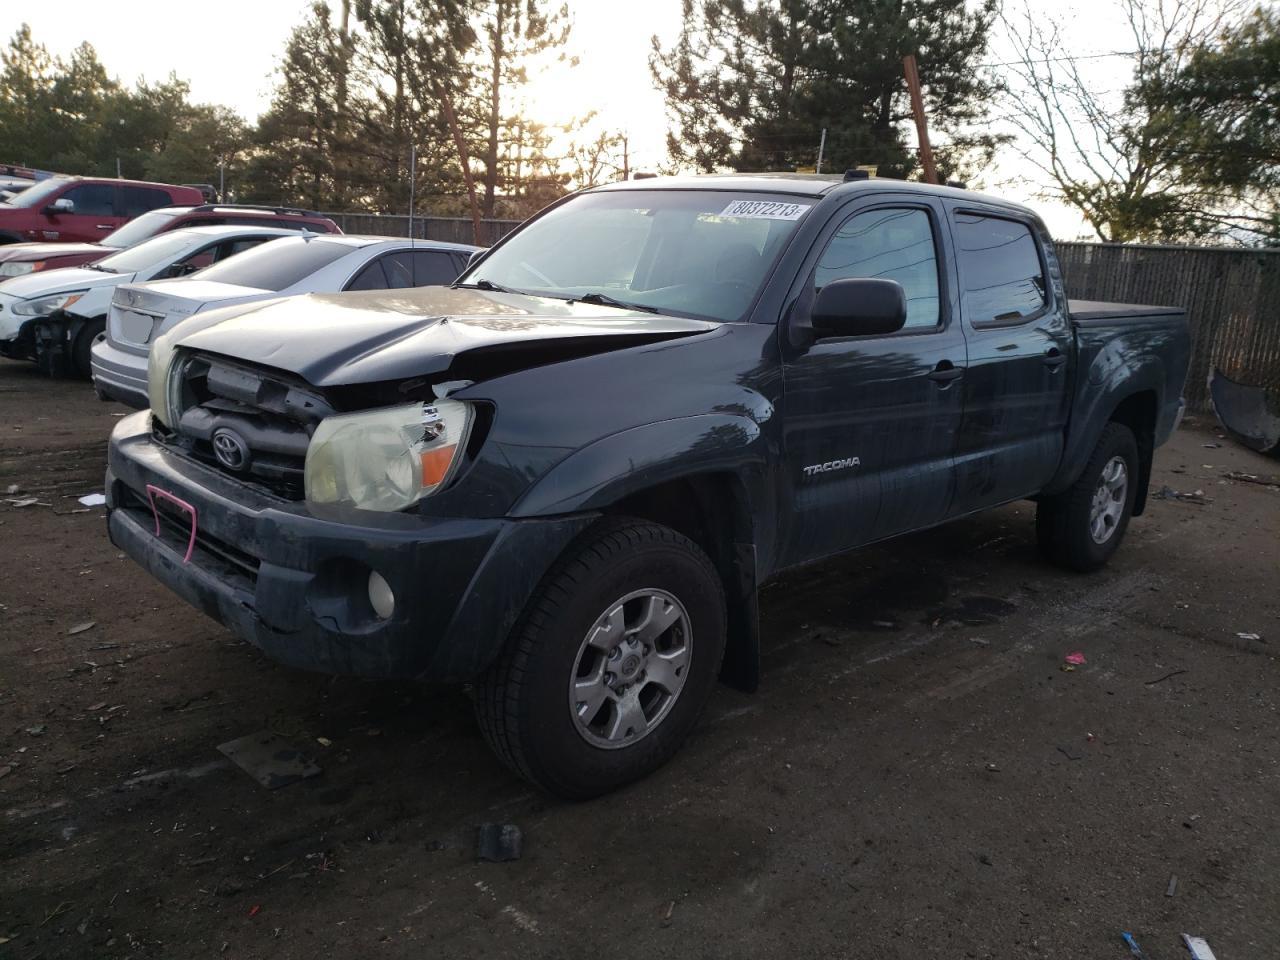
x,y
697,253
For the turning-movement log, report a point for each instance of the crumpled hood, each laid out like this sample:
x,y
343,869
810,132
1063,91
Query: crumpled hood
x,y
48,282
350,338
27,252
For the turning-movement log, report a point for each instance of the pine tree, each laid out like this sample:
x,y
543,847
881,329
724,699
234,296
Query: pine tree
x,y
750,84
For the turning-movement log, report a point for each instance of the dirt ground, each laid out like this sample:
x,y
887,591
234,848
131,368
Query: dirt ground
x,y
918,777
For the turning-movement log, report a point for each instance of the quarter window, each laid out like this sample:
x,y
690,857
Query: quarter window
x,y
1001,277
892,244
139,200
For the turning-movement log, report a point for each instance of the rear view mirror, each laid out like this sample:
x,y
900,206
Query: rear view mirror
x,y
61,205
859,307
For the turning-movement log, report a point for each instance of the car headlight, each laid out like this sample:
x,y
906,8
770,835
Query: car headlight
x,y
386,459
159,374
18,268
43,306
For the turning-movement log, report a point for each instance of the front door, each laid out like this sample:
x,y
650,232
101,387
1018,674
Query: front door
x,y
871,422
1015,390
91,219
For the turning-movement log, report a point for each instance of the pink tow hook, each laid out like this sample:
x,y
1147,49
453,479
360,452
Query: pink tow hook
x,y
152,492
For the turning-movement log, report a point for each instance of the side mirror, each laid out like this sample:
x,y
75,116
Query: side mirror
x,y
61,205
859,307
475,258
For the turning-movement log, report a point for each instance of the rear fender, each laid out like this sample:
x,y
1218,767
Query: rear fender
x,y
1114,376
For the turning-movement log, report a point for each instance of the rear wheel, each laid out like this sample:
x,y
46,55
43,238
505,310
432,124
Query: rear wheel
x,y
612,663
1083,526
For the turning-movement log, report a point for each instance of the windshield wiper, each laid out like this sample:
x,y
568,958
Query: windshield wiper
x,y
604,300
488,285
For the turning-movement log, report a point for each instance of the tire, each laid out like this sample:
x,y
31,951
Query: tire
x,y
524,703
1071,533
83,345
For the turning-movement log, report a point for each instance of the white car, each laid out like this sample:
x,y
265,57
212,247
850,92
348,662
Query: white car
x,y
53,316
307,264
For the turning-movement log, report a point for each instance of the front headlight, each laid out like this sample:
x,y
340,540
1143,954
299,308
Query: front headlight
x,y
43,306
159,370
386,459
18,268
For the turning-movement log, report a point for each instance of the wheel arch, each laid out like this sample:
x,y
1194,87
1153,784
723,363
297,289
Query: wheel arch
x,y
1139,412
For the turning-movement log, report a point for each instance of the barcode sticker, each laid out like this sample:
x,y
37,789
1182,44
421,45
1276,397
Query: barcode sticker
x,y
765,210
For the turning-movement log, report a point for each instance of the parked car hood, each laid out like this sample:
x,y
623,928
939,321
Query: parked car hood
x,y
351,338
27,252
46,282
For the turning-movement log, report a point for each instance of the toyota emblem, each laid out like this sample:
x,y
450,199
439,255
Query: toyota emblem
x,y
230,449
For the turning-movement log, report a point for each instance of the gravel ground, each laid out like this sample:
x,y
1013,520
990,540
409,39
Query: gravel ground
x,y
917,777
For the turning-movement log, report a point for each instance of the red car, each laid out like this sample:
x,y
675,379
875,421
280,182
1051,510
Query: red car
x,y
21,258
83,209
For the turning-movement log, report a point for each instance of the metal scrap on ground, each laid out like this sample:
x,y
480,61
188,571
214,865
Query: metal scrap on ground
x,y
269,758
499,842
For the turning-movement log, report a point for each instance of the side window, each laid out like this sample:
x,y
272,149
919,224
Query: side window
x,y
892,244
93,199
370,278
1001,277
231,247
138,200
433,268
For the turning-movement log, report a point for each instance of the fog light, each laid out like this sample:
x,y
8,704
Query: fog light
x,y
381,598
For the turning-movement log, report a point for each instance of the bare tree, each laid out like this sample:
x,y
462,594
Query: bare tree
x,y
1120,157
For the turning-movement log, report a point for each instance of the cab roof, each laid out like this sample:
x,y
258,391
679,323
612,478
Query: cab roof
x,y
801,184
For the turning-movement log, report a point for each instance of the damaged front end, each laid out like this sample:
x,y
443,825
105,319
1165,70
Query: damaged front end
x,y
1250,414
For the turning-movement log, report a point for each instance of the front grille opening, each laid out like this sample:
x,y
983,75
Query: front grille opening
x,y
252,424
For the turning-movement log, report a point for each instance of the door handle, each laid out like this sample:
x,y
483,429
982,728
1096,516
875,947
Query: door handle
x,y
1054,358
104,226
945,372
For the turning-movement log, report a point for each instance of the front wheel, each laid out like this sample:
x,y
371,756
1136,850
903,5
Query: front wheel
x,y
612,663
1083,526
82,347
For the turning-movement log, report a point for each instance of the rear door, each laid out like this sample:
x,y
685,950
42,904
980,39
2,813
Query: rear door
x,y
870,422
1015,389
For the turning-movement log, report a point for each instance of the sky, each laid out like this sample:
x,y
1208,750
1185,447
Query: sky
x,y
231,56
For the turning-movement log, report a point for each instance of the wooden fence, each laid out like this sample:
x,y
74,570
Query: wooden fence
x,y
1231,295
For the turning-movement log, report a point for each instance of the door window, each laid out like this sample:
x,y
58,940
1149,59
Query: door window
x,y
894,243
93,199
418,268
370,278
1001,276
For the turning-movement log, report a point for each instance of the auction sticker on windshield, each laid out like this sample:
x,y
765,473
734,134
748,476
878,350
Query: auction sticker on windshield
x,y
765,210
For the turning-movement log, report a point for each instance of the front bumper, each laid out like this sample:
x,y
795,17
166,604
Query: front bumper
x,y
22,345
294,583
118,375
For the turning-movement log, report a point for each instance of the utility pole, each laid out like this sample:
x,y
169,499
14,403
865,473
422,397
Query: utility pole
x,y
413,168
922,128
822,145
626,158
451,119
222,182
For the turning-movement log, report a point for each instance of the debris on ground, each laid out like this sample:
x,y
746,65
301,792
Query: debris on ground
x,y
499,842
1168,493
1170,890
26,502
1076,658
6,770
1252,478
1199,948
35,731
93,500
269,758
1132,944
1249,636
1171,673
82,627
12,489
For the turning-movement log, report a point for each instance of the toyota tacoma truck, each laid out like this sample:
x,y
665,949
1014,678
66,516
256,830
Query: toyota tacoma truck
x,y
564,478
